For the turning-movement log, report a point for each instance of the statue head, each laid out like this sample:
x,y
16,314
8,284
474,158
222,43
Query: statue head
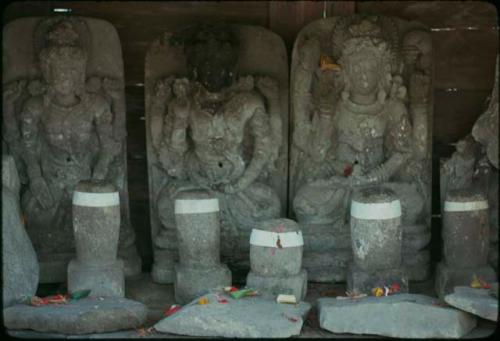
x,y
211,54
366,59
63,61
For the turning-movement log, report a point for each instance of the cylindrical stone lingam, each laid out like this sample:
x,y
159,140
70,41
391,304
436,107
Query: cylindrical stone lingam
x,y
276,248
198,234
465,230
376,229
96,226
466,242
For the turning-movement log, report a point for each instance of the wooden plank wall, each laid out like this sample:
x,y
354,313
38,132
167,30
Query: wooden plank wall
x,y
465,38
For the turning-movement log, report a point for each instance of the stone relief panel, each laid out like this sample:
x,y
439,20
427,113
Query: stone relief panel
x,y
64,121
361,108
217,118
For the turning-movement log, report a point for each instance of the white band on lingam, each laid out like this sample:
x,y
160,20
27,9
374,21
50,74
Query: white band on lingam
x,y
270,239
190,206
96,199
457,206
379,211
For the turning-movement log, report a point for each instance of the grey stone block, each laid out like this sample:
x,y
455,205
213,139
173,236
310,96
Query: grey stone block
x,y
104,279
191,282
475,301
248,317
85,316
403,316
447,277
416,241
275,285
327,267
364,281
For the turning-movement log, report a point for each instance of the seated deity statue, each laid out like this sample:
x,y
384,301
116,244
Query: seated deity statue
x,y
216,132
361,133
64,133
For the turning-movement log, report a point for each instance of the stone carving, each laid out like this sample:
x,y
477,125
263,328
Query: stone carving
x,y
20,268
96,225
198,233
276,259
215,112
64,119
376,235
473,167
362,106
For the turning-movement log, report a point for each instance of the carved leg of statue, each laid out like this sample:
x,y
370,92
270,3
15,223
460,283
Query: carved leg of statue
x,y
165,241
244,211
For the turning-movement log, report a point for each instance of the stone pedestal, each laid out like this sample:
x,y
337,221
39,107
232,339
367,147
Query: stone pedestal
x,y
376,240
96,225
276,259
465,241
198,235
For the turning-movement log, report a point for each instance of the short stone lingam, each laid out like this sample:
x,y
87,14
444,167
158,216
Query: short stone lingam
x,y
96,224
198,234
466,241
376,235
276,259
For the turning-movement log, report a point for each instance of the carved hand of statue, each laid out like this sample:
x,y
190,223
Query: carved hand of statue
x,y
113,87
41,192
13,91
419,87
268,87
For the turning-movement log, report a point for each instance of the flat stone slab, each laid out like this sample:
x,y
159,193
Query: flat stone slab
x,y
402,315
248,317
85,316
475,301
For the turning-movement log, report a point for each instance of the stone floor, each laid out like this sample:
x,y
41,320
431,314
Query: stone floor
x,y
159,297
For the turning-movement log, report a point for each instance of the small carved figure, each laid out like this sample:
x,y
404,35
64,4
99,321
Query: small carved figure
x,y
220,133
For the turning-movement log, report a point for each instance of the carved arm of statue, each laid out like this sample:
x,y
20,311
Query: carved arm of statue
x,y
172,142
11,134
269,88
30,118
260,128
109,147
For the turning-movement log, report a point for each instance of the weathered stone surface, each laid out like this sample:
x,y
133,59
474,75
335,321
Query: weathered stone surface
x,y
96,225
212,130
364,281
449,277
274,285
20,267
347,134
475,301
403,316
416,241
326,267
85,316
417,265
249,317
73,127
191,282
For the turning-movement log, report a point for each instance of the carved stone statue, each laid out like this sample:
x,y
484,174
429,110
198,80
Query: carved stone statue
x,y
473,167
356,125
64,119
216,108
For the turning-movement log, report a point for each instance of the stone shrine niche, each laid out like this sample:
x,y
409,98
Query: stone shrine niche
x,y
216,117
64,121
361,89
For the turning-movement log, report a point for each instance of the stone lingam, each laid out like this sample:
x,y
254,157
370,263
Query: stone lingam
x,y
216,105
64,119
362,105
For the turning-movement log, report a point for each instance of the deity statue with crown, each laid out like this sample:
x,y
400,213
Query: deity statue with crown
x,y
356,127
215,127
64,127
